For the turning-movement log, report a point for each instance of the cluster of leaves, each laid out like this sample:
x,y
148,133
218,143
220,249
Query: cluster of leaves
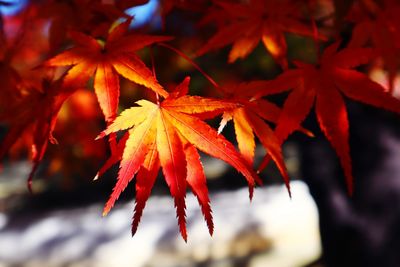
x,y
47,58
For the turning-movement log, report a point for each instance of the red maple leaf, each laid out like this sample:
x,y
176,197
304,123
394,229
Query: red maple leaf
x,y
248,23
381,26
90,16
78,123
39,108
168,135
324,84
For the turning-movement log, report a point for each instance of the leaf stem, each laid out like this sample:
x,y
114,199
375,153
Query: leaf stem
x,y
188,59
153,69
315,33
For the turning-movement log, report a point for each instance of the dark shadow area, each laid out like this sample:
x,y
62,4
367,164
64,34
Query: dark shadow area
x,y
362,230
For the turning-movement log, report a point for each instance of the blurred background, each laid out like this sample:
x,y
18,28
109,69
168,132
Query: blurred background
x,y
60,224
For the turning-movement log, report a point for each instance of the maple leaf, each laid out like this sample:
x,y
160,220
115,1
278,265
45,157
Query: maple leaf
x,y
78,125
381,26
116,57
90,16
249,121
168,135
324,84
38,109
257,20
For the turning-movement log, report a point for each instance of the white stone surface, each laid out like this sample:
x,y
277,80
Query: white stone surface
x,y
273,230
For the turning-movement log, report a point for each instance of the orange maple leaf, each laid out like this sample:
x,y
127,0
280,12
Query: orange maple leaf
x,y
248,23
249,119
168,135
324,84
116,57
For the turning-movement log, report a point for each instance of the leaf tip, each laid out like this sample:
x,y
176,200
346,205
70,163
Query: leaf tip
x,y
211,231
133,230
184,236
307,132
101,135
251,192
350,189
289,191
106,209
